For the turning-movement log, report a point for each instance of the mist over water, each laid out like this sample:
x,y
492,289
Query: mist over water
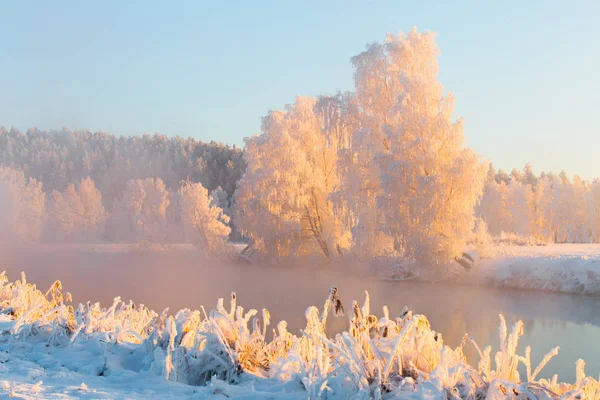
x,y
180,279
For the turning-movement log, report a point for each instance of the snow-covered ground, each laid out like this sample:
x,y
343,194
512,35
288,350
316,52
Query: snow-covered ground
x,y
569,268
561,268
32,369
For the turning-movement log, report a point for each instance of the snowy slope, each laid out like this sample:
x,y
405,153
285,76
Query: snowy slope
x,y
569,268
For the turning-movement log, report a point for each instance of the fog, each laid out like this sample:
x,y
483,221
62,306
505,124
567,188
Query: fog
x,y
179,278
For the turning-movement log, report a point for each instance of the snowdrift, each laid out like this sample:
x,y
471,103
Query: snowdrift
x,y
51,349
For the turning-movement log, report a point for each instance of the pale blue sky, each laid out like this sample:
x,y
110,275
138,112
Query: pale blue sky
x,y
525,73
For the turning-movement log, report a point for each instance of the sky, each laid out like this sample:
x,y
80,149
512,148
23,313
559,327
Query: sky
x,y
525,73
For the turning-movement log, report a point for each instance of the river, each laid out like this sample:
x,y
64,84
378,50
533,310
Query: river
x,y
179,279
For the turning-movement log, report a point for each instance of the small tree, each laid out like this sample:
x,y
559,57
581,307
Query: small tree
x,y
66,214
77,213
94,213
141,212
205,225
22,206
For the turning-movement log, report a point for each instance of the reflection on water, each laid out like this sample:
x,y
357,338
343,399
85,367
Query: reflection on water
x,y
180,280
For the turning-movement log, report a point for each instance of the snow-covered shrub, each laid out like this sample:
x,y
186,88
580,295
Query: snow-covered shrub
x,y
34,310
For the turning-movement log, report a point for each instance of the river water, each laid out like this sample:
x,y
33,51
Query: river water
x,y
178,280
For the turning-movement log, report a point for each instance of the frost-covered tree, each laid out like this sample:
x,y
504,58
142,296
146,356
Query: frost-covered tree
x,y
528,177
77,214
386,164
355,199
22,206
544,212
6,217
430,181
140,214
519,209
377,86
91,198
205,225
220,198
502,176
284,202
561,202
545,207
492,207
65,214
577,231
538,203
594,211
516,175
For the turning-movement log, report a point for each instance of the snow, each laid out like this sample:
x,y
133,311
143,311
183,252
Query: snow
x,y
6,323
561,268
569,268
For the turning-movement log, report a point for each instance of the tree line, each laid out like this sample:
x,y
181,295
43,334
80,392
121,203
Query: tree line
x,y
59,158
546,207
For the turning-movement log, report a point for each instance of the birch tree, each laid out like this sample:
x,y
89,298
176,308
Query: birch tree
x,y
284,202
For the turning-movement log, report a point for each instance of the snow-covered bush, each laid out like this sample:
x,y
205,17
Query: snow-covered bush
x,y
35,311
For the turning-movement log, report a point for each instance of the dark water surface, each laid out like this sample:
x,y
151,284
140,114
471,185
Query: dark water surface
x,y
178,280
